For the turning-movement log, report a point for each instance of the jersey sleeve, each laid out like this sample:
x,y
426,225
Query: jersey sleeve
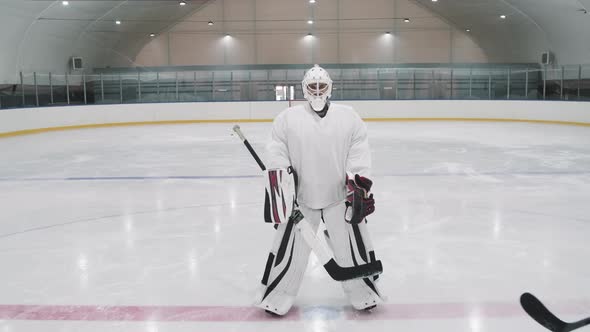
x,y
359,155
277,149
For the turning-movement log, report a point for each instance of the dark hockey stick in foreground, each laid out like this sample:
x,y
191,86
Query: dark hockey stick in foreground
x,y
320,248
543,316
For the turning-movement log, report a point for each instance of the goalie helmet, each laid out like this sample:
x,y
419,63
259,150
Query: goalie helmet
x,y
317,87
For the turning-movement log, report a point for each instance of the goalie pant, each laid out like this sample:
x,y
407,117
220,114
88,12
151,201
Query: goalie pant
x,y
289,255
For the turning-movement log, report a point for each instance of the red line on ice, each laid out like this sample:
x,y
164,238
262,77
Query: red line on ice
x,y
419,311
137,313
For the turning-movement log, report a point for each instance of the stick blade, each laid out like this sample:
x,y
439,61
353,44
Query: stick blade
x,y
541,314
339,273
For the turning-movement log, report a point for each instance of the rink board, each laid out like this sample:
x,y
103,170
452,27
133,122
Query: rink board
x,y
35,120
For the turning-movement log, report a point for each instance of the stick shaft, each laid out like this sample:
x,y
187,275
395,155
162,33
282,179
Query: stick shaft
x,y
578,324
253,153
317,246
249,147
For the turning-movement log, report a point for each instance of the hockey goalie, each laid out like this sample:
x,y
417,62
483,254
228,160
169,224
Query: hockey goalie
x,y
319,154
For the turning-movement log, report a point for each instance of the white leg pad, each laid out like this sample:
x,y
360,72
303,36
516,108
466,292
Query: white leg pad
x,y
277,302
285,268
352,246
360,295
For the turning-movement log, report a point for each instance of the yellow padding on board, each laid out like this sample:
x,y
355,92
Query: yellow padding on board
x,y
571,123
121,124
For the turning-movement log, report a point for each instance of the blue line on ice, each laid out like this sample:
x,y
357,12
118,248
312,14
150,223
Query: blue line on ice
x,y
223,177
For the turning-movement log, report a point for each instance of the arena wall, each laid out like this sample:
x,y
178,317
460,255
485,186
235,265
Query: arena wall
x,y
34,120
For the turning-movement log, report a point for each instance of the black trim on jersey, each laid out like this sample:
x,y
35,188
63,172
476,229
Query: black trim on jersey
x,y
324,110
275,283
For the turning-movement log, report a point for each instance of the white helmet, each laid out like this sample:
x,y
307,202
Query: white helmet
x,y
317,87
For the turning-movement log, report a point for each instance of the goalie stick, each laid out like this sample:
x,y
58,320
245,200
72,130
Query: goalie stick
x,y
320,248
543,316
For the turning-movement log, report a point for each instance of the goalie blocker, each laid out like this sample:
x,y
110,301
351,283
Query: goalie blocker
x,y
280,196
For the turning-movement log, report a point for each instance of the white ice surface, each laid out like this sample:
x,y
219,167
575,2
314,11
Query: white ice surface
x,y
466,213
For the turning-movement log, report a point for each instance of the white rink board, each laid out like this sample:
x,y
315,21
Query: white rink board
x,y
50,117
497,109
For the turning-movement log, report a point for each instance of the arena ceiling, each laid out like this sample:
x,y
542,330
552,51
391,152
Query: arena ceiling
x,y
38,32
560,26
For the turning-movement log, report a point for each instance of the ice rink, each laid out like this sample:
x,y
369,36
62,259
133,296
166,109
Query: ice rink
x,y
159,228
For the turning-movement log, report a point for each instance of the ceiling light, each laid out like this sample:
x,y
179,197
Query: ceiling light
x,y
388,33
309,22
311,1
310,34
407,20
65,3
152,34
468,30
210,23
503,17
434,0
182,3
117,22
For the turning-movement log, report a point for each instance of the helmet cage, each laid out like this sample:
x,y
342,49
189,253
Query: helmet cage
x,y
317,87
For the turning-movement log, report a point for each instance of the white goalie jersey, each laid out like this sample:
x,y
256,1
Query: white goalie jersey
x,y
322,151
